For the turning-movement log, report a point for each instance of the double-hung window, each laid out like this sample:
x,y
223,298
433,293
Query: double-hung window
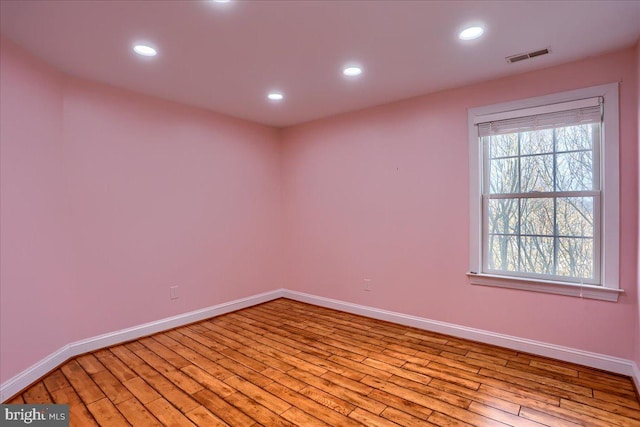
x,y
544,194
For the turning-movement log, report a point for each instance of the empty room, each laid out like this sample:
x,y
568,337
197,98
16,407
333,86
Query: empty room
x,y
319,213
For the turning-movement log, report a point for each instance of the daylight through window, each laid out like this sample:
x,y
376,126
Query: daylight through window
x,y
545,193
541,195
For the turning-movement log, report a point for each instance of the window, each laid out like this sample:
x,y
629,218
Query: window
x,y
544,194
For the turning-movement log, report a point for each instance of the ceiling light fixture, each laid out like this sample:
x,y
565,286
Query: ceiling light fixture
x,y
471,33
352,71
275,96
144,50
221,1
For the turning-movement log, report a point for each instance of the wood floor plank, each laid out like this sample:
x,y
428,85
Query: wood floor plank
x,y
223,409
55,381
617,400
208,381
136,414
369,419
434,404
501,416
476,396
301,418
310,406
17,400
141,390
612,407
106,414
288,363
257,411
393,401
403,419
177,377
203,359
126,356
443,420
201,416
90,364
166,353
610,417
424,389
345,394
37,394
116,367
168,414
166,388
327,399
261,396
88,391
245,372
111,386
545,418
79,415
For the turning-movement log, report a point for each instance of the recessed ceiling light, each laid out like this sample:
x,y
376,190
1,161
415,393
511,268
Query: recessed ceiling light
x,y
471,33
275,96
352,71
144,50
221,1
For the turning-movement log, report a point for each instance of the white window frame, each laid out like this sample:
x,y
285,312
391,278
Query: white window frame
x,y
609,290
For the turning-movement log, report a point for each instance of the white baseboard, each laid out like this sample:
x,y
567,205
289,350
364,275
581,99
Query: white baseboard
x,y
33,373
636,377
594,360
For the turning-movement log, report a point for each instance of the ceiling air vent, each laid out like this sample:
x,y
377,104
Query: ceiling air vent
x,y
522,56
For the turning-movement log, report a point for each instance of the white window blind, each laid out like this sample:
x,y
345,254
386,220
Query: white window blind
x,y
578,112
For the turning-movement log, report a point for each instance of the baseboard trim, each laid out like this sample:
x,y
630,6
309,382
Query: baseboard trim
x,y
594,360
636,377
41,368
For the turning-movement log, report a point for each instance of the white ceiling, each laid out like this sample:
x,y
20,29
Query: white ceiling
x,y
226,57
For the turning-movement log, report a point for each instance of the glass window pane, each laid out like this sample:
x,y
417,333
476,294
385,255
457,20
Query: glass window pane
x,y
575,258
572,138
536,173
504,145
575,216
536,142
537,217
503,253
575,171
503,216
504,176
536,255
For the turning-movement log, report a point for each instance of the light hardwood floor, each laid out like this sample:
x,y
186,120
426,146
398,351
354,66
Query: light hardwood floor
x,y
288,363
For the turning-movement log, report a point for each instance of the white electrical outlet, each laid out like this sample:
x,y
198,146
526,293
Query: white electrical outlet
x,y
173,292
367,285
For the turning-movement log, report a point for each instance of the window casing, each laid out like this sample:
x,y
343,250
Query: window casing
x,y
544,194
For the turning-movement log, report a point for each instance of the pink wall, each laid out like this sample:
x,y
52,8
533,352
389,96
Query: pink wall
x,y
35,255
166,195
637,337
383,194
109,198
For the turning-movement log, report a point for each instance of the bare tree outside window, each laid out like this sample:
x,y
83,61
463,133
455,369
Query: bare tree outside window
x,y
540,205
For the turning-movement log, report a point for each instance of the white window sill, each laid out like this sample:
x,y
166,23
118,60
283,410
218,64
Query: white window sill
x,y
546,286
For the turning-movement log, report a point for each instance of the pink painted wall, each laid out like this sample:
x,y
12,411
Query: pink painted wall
x,y
36,258
383,194
166,195
637,337
110,198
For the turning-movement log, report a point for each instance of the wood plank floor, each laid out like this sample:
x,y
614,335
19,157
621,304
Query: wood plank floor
x,y
286,363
